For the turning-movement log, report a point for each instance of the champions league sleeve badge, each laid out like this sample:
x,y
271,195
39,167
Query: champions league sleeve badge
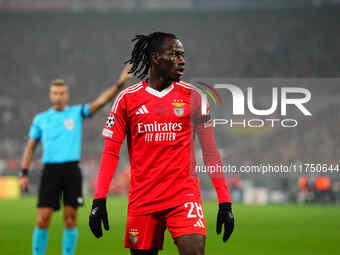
x,y
110,121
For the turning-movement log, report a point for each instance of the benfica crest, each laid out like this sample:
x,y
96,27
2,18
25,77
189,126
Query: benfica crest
x,y
133,235
178,107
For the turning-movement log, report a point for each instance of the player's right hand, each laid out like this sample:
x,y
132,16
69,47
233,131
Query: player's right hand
x,y
98,215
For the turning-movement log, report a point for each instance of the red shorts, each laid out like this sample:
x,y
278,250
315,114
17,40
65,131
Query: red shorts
x,y
146,232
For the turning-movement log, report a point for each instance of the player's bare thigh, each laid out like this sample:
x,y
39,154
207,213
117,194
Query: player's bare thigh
x,y
144,252
193,244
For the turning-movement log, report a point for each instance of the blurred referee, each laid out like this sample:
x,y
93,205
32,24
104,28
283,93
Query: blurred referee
x,y
60,129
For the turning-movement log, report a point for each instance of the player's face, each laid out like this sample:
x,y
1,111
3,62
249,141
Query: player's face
x,y
171,60
59,96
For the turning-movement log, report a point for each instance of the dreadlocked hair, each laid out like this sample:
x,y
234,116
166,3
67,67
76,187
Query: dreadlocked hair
x,y
141,54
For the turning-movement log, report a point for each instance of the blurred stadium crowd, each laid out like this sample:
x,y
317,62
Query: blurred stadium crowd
x,y
88,49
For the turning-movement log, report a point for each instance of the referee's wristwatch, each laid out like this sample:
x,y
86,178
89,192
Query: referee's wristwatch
x,y
23,172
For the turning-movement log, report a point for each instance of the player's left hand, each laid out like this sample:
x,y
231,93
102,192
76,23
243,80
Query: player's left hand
x,y
225,217
97,216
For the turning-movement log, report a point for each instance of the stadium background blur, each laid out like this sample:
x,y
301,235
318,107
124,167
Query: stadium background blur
x,y
86,42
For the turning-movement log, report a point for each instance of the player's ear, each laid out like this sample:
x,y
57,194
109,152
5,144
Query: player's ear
x,y
155,58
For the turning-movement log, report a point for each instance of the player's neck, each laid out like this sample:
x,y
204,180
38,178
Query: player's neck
x,y
158,83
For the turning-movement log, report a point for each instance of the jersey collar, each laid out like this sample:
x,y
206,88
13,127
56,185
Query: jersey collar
x,y
66,108
157,93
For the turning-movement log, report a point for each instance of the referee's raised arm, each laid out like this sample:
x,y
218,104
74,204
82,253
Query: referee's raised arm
x,y
107,95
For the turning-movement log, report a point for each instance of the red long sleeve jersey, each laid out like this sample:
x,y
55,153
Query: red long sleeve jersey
x,y
160,129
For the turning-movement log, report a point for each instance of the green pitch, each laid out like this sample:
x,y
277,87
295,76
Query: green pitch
x,y
272,230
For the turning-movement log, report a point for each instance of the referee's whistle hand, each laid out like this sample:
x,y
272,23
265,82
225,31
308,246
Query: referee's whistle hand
x,y
24,183
125,76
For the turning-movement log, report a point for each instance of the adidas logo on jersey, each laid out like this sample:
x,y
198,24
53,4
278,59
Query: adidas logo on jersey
x,y
199,224
142,110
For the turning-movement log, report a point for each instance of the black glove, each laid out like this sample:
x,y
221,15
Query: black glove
x,y
97,216
225,217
